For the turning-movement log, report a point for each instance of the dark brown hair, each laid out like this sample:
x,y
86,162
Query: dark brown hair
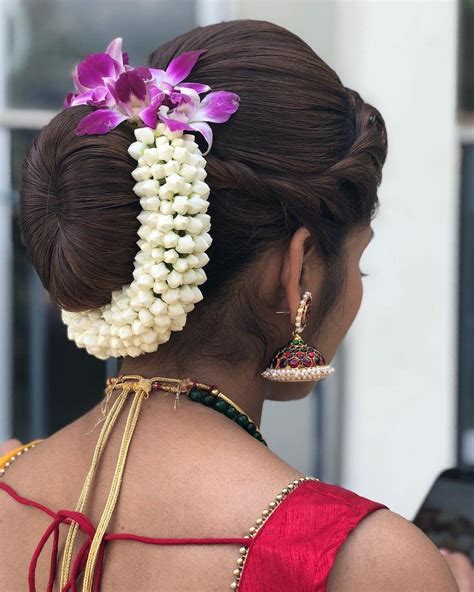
x,y
302,149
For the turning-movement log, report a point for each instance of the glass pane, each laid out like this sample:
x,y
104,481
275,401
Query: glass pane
x,y
466,329
466,55
54,381
48,37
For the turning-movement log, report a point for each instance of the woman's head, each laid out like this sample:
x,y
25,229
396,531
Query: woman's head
x,y
293,178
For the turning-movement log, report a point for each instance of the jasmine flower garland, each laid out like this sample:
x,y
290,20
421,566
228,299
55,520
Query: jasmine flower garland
x,y
174,231
169,265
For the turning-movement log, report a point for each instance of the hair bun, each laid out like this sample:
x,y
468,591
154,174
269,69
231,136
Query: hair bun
x,y
78,211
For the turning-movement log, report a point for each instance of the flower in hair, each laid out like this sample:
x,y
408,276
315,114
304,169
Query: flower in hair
x,y
145,95
173,238
169,181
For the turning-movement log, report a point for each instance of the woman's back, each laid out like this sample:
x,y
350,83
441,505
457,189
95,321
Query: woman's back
x,y
176,484
183,481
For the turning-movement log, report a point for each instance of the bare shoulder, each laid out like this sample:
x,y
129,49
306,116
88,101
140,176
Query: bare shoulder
x,y
387,552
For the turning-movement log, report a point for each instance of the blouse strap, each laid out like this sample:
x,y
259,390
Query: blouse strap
x,y
7,459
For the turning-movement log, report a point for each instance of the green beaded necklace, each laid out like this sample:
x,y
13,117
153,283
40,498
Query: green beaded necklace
x,y
199,392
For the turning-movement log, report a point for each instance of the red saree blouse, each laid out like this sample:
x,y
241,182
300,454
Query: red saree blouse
x,y
291,547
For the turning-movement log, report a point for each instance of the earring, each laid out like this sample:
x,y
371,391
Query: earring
x,y
297,360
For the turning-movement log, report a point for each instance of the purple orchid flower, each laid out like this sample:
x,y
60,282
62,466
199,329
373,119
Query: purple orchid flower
x,y
121,92
216,107
106,80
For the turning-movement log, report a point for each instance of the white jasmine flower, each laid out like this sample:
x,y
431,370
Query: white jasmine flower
x,y
174,279
142,173
185,244
170,240
145,135
170,256
136,150
173,221
181,264
180,204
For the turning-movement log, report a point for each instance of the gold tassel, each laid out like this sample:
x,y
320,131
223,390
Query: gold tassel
x,y
142,388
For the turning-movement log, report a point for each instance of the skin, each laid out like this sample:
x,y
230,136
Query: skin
x,y
176,453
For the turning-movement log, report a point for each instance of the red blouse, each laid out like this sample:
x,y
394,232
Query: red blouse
x,y
292,546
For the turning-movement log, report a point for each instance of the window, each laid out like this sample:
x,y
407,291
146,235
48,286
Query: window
x,y
52,381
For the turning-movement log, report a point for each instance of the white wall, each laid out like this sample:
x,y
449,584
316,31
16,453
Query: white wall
x,y
399,419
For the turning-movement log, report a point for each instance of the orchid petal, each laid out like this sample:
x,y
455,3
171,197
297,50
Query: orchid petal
x,y
68,100
109,83
197,86
181,66
190,106
94,68
157,75
125,58
128,84
154,91
100,93
205,130
217,106
166,86
143,72
114,49
178,121
77,84
101,97
99,122
149,115
84,98
178,98
98,97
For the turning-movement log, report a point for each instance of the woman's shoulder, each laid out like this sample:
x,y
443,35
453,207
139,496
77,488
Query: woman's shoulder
x,y
330,512
306,528
387,552
335,539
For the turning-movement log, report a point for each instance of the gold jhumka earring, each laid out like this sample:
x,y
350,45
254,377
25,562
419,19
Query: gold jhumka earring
x,y
297,360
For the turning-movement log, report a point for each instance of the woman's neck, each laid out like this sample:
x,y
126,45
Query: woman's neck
x,y
237,383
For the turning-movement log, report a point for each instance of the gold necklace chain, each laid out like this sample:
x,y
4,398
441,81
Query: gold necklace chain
x,y
209,395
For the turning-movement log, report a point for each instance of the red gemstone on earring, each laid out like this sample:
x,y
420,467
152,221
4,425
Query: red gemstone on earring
x,y
294,362
311,354
307,362
300,354
288,354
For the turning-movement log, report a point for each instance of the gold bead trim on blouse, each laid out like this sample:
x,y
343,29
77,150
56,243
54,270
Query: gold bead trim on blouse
x,y
15,456
253,530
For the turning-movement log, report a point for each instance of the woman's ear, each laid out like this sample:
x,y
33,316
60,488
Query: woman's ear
x,y
292,269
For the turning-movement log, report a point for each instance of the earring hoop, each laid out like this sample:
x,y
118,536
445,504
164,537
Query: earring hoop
x,y
297,360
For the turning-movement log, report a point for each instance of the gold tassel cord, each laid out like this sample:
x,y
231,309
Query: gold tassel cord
x,y
72,532
142,387
114,490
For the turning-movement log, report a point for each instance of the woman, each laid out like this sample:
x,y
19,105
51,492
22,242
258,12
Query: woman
x,y
293,174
